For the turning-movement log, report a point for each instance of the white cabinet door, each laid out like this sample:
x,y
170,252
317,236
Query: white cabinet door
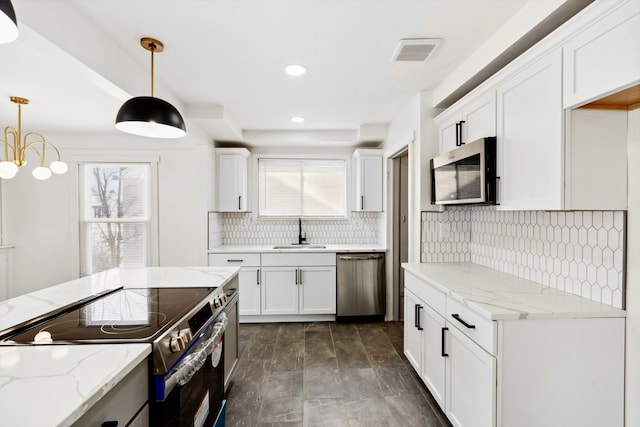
x,y
249,283
604,58
369,169
471,382
434,353
479,118
449,133
412,335
279,290
232,180
317,290
530,139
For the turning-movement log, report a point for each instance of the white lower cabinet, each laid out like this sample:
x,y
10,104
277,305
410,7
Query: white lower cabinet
x,y
248,279
503,373
299,290
471,382
281,286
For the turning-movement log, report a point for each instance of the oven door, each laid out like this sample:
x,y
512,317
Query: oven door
x,y
196,384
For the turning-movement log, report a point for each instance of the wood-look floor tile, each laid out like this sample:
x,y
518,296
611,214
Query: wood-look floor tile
x,y
350,354
325,412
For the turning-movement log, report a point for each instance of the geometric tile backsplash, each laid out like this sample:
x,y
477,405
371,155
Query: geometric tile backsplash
x,y
242,229
581,252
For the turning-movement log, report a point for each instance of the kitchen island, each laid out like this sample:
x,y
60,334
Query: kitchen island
x,y
58,384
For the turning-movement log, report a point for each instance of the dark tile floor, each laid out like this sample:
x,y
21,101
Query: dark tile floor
x,y
327,374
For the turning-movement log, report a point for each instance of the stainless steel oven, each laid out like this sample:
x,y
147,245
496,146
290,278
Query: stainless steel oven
x,y
185,328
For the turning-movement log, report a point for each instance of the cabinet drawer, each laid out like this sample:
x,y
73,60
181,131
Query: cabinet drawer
x,y
236,259
427,293
477,327
298,259
122,402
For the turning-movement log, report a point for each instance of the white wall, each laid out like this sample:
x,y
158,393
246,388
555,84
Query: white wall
x,y
40,218
633,274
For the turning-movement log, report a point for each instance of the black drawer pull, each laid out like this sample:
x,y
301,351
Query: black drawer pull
x,y
468,325
415,316
442,352
235,260
418,318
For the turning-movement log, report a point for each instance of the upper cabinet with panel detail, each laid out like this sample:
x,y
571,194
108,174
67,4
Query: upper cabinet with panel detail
x,y
605,57
368,170
472,121
232,178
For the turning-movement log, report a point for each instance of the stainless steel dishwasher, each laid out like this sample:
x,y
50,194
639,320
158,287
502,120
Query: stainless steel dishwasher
x,y
360,284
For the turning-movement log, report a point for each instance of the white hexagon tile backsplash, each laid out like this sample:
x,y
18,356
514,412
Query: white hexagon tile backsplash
x,y
582,252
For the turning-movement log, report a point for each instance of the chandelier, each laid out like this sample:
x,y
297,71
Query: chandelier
x,y
16,148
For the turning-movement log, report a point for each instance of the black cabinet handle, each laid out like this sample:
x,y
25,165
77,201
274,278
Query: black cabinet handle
x,y
418,318
415,316
361,203
458,133
468,325
296,276
239,202
235,260
442,352
258,276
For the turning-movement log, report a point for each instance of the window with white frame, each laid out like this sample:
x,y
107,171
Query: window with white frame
x,y
115,215
292,187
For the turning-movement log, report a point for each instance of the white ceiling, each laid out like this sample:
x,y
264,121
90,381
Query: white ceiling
x,y
78,60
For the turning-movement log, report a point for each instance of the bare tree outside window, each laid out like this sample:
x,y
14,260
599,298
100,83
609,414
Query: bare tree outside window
x,y
114,229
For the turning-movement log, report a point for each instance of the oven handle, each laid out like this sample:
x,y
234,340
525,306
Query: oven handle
x,y
195,360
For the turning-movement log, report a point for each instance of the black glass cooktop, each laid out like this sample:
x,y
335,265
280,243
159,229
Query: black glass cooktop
x,y
127,314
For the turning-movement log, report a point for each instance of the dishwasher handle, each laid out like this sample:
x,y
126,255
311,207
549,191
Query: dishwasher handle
x,y
359,257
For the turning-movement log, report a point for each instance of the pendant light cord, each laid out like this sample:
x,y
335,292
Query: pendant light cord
x,y
152,49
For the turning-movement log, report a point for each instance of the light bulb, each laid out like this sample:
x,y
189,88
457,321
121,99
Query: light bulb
x,y
8,169
41,173
58,167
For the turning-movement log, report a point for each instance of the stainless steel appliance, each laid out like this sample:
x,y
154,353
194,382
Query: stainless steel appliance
x,y
360,284
185,328
465,175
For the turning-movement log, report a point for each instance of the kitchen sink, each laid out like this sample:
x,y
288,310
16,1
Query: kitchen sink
x,y
294,246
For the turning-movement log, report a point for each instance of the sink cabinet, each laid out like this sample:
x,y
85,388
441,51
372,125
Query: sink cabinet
x,y
298,283
513,372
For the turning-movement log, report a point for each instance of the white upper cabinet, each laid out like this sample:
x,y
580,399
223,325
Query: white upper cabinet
x,y
530,139
475,120
603,58
368,170
232,177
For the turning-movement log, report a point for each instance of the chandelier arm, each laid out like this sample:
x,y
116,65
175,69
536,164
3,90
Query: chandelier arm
x,y
10,131
42,141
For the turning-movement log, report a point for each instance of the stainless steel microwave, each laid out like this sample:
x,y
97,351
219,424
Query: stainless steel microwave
x,y
465,175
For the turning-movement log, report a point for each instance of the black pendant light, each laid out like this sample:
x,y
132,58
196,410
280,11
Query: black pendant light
x,y
8,22
148,115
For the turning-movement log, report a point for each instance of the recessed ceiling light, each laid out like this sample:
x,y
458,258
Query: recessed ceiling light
x,y
295,70
297,119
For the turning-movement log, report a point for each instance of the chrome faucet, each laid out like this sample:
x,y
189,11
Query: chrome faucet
x,y
302,238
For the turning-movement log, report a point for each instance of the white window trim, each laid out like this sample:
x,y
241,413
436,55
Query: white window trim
x,y
153,250
255,187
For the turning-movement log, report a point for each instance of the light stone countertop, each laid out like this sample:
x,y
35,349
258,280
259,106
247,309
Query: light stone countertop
x,y
501,296
29,306
270,248
54,385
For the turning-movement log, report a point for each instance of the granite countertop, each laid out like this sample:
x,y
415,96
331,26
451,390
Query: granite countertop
x,y
54,385
270,248
501,296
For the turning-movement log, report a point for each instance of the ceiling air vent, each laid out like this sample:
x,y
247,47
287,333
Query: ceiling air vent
x,y
415,49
